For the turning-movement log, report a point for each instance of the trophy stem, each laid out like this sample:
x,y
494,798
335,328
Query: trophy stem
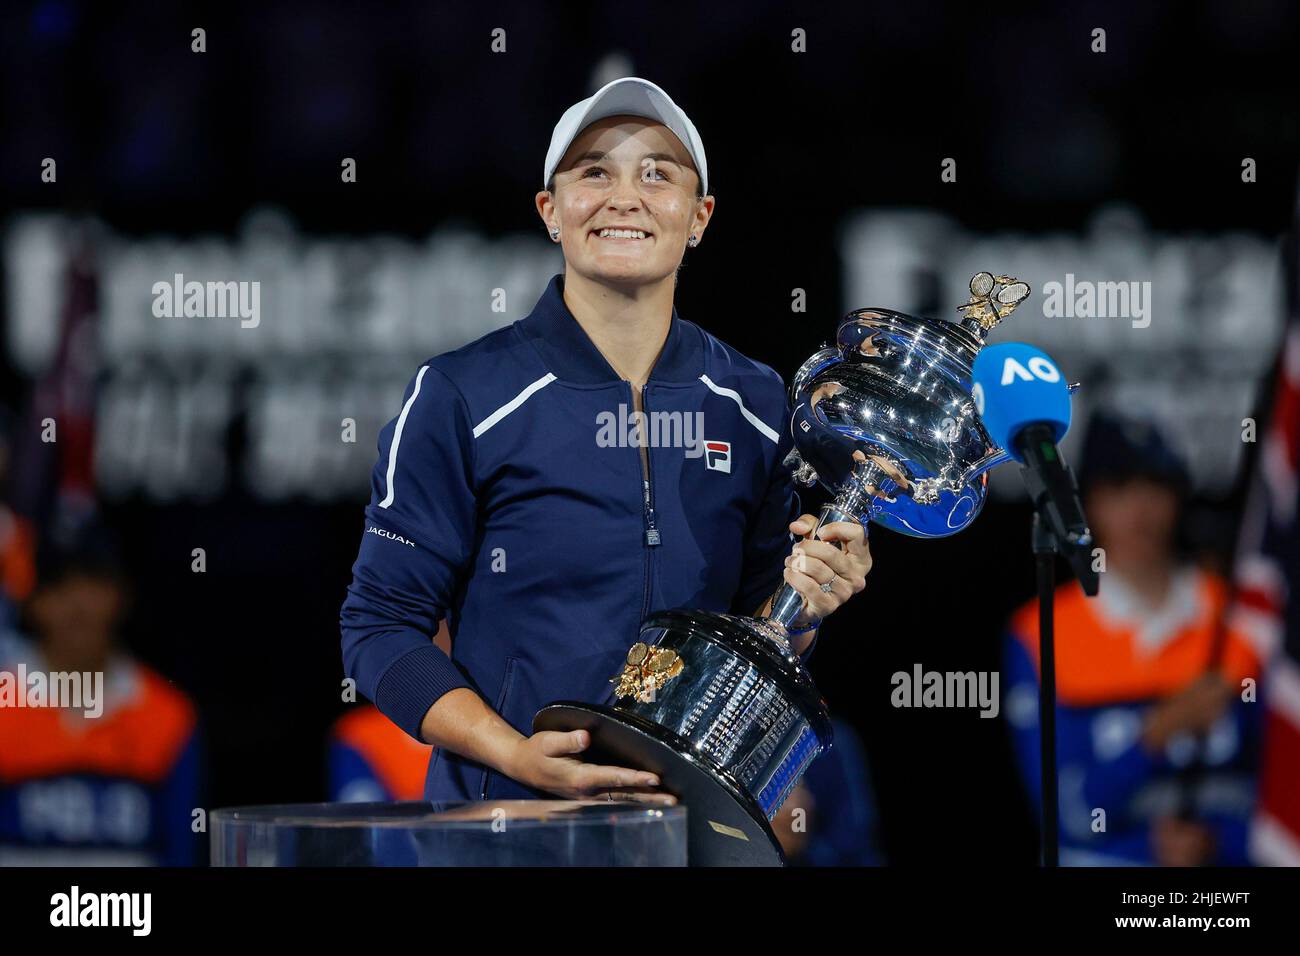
x,y
788,603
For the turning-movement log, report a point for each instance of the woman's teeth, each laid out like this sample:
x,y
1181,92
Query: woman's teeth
x,y
621,234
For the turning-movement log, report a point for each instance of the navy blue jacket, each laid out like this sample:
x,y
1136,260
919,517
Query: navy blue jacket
x,y
503,501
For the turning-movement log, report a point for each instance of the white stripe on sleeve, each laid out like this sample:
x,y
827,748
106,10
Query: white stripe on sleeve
x,y
511,405
397,436
750,417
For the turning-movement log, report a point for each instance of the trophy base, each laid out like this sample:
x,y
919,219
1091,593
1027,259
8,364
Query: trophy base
x,y
725,825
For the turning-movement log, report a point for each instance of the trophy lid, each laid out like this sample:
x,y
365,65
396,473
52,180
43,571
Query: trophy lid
x,y
884,418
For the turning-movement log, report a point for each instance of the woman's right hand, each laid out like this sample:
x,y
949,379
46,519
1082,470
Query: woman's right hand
x,y
546,761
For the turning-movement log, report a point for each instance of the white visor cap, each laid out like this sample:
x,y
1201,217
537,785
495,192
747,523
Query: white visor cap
x,y
631,96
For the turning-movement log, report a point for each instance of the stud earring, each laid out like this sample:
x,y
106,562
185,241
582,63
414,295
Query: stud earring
x,y
555,235
693,241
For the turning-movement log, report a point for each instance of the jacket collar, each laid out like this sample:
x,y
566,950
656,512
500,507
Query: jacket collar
x,y
569,353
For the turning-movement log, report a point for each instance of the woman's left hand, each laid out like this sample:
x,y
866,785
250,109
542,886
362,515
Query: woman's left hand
x,y
838,555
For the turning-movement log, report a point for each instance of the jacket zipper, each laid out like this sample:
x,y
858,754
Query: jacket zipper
x,y
652,535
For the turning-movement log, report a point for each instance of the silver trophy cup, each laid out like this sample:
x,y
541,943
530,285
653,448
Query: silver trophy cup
x,y
720,706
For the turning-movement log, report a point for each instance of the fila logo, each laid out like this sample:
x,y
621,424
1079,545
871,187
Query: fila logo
x,y
803,423
717,455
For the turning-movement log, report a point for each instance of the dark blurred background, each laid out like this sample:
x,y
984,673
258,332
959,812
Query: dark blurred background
x,y
1123,165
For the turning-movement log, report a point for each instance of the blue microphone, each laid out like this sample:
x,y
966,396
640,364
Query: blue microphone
x,y
1017,385
1024,402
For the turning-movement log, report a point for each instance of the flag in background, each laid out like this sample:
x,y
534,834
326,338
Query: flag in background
x,y
1267,573
54,481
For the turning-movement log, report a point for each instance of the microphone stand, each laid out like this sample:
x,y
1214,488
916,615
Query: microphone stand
x,y
1043,541
1048,535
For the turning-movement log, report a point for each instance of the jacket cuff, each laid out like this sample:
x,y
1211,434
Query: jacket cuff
x,y
413,683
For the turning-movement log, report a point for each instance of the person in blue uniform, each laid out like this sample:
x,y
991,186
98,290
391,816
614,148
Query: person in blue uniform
x,y
370,759
545,487
1157,734
111,777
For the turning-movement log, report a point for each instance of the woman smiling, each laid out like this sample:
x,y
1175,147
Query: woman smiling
x,y
533,550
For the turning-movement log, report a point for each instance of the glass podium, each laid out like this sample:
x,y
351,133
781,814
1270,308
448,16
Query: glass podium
x,y
418,833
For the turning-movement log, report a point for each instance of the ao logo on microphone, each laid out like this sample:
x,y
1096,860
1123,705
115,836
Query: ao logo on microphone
x,y
1036,368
